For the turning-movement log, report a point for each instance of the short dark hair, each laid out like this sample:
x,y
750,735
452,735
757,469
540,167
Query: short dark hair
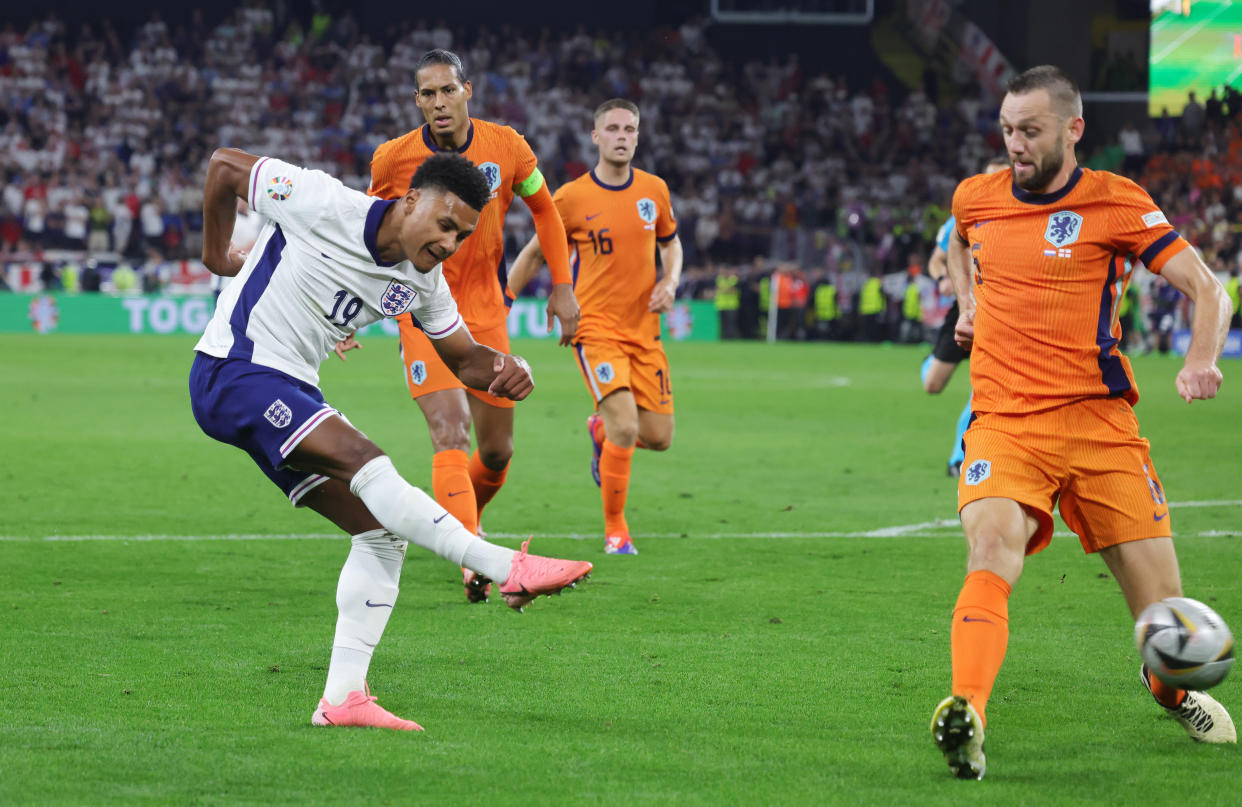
x,y
1066,99
440,56
455,174
615,103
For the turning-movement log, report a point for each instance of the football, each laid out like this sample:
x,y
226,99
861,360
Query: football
x,y
1184,643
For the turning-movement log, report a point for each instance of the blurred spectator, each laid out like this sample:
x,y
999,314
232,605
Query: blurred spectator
x,y
1192,117
1131,141
77,223
100,223
152,220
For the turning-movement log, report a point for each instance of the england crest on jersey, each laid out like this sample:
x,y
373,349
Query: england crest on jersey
x,y
646,210
397,299
1063,228
491,172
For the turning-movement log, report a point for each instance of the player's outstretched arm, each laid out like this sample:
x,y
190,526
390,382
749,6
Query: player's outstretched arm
x,y
958,265
524,267
938,270
1199,376
553,247
562,304
228,179
665,291
480,367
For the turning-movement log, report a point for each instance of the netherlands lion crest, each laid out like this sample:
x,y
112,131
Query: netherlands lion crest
x,y
978,471
491,172
1063,228
646,210
397,299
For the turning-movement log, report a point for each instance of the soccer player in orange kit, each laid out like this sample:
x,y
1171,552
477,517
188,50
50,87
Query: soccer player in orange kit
x,y
1040,259
464,483
617,217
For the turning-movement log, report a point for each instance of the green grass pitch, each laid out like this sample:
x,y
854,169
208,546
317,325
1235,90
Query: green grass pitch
x,y
781,638
1197,53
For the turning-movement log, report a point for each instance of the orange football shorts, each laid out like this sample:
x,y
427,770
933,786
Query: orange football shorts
x,y
608,366
425,372
1087,454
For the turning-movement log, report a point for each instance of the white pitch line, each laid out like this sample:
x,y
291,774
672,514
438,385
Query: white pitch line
x,y
1194,29
920,530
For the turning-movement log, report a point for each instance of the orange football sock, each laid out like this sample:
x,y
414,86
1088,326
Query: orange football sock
x,y
1167,696
450,481
979,636
486,482
614,476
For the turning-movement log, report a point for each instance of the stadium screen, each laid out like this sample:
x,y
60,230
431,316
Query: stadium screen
x,y
1195,45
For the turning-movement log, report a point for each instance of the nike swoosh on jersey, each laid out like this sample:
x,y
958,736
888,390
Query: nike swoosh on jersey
x,y
441,518
456,493
1160,517
593,215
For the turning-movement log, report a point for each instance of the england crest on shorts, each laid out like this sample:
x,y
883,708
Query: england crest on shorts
x,y
491,172
397,299
278,414
418,372
978,471
604,372
646,210
1063,228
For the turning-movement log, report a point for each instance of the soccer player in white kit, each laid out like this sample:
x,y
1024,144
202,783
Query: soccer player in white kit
x,y
329,261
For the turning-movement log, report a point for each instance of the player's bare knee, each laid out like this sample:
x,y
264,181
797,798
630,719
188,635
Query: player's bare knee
x,y
357,454
658,442
496,456
992,549
622,434
449,431
933,386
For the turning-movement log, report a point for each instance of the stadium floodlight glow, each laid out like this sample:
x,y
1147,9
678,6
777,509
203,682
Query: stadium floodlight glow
x,y
794,12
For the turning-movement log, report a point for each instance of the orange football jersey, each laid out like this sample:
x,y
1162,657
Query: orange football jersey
x,y
1049,272
476,272
612,232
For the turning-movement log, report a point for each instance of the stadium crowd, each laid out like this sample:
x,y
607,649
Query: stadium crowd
x,y
837,191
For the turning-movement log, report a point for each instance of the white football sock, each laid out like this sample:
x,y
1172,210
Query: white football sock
x,y
408,512
365,596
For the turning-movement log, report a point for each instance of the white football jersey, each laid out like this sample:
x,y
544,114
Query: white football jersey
x,y
314,277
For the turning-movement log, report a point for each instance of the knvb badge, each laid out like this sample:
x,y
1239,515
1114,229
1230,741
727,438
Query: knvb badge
x,y
978,471
491,172
1063,228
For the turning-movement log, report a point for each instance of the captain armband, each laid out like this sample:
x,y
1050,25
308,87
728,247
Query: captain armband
x,y
529,186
